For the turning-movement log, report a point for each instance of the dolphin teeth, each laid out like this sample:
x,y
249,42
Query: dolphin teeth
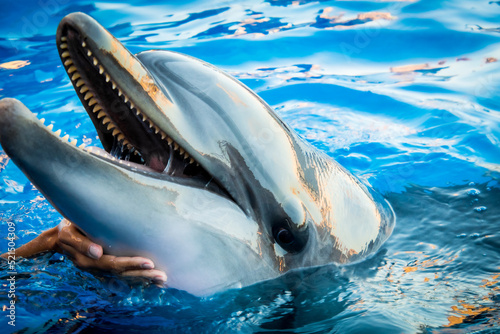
x,y
119,92
97,108
42,120
75,76
89,53
107,77
186,155
106,120
101,69
150,125
137,112
79,83
110,126
65,54
169,140
68,62
101,114
163,135
121,136
84,89
156,129
144,118
74,142
84,44
92,102
88,96
64,46
95,61
181,150
58,132
132,106
50,127
126,142
64,39
115,132
72,69
113,84
176,146
125,98
191,160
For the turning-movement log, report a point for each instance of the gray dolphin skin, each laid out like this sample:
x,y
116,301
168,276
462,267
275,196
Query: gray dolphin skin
x,y
197,172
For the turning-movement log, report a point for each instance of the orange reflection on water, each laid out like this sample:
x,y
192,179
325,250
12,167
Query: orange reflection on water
x,y
409,68
428,264
339,22
465,311
15,64
4,159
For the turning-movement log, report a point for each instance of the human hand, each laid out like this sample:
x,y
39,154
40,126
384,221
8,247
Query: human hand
x,y
88,255
67,239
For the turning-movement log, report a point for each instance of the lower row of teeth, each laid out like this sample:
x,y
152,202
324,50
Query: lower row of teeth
x,y
101,114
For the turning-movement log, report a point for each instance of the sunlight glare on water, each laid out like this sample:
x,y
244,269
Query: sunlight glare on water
x,y
404,94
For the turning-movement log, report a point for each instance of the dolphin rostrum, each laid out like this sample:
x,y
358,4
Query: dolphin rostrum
x,y
197,172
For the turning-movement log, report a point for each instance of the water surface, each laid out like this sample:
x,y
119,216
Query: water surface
x,y
404,94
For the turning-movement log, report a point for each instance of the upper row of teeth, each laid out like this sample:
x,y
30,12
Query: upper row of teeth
x,y
91,101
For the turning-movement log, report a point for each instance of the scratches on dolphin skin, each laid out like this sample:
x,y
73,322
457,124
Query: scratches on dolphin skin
x,y
232,96
129,63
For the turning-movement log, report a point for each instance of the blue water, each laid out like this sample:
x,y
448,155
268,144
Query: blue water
x,y
408,99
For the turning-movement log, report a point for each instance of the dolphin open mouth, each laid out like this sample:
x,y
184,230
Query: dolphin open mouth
x,y
125,130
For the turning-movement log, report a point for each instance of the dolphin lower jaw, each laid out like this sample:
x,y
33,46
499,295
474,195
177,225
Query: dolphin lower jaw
x,y
134,212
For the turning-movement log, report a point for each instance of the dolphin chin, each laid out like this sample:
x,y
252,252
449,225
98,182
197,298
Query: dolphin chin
x,y
197,172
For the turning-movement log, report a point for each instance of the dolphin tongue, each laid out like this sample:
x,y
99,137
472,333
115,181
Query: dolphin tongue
x,y
157,162
168,163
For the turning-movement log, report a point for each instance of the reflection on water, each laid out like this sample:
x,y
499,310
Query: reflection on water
x,y
402,93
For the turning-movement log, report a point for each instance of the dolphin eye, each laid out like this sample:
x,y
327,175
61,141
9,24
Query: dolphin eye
x,y
290,238
284,237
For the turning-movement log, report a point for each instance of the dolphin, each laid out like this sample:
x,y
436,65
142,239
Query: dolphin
x,y
196,171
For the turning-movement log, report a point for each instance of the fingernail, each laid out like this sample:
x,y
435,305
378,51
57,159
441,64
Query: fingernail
x,y
95,251
162,278
147,265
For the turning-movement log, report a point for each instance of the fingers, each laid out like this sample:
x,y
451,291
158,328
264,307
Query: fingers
x,y
80,260
132,267
110,263
157,276
69,235
89,256
119,265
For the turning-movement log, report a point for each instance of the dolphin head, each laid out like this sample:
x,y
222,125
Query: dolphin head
x,y
197,172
